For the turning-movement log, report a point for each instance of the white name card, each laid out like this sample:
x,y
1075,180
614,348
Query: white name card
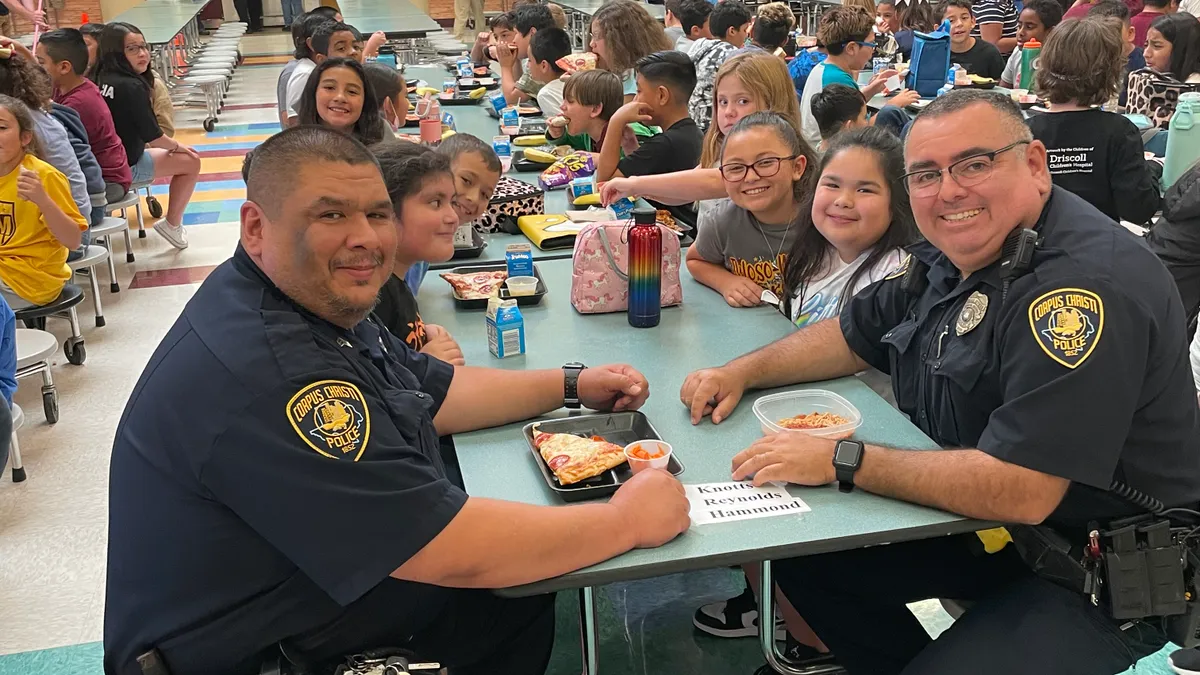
x,y
727,502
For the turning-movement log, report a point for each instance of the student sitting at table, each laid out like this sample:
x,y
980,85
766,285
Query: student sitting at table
x,y
421,188
330,40
590,99
476,169
976,55
63,54
918,17
515,80
622,33
694,17
1037,19
742,245
846,33
729,24
1175,239
501,30
45,222
1134,58
366,47
123,76
773,25
302,30
1172,67
91,37
996,23
340,96
664,83
545,49
1096,154
391,90
837,108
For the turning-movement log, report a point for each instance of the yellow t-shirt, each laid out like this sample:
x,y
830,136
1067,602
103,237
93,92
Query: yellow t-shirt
x,y
33,263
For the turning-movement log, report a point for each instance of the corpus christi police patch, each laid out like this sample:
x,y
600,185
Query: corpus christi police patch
x,y
1067,324
332,418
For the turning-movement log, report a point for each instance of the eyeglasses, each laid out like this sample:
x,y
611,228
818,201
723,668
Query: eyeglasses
x,y
763,168
136,49
967,172
868,45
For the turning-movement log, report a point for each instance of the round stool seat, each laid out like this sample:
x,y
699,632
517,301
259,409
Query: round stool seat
x,y
70,296
34,346
130,199
92,256
203,79
223,72
230,47
223,59
109,225
18,416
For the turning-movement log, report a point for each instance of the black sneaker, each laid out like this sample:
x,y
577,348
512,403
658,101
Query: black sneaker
x,y
1185,661
734,618
801,656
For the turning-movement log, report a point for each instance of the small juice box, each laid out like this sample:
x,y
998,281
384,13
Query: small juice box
x,y
496,98
519,259
580,187
505,328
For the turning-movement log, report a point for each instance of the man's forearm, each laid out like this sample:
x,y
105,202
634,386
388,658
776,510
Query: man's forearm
x,y
816,352
967,482
486,397
496,544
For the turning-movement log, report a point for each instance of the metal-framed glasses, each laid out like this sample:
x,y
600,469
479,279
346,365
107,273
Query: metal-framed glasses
x,y
967,172
764,168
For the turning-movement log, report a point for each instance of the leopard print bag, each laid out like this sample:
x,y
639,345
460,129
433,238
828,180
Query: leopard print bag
x,y
1155,95
511,200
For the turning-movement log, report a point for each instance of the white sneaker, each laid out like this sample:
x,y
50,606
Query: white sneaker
x,y
172,233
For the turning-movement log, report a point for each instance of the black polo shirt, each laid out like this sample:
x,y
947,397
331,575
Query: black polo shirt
x,y
269,469
1082,373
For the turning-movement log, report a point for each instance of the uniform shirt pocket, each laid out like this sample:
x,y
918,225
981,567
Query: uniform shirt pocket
x,y
904,359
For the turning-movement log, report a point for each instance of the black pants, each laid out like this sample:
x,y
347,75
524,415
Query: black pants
x,y
472,632
250,12
855,601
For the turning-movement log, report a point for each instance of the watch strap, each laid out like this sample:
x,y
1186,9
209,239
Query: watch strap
x,y
571,373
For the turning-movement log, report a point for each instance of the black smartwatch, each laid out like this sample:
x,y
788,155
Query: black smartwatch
x,y
571,373
847,457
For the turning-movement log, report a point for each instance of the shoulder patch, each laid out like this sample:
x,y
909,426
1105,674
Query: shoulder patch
x,y
1067,324
331,416
902,269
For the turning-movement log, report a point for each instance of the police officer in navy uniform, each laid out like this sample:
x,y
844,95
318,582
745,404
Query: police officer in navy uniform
x,y
276,481
1043,384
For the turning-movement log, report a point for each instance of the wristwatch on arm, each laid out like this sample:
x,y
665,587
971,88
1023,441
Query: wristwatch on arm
x,y
847,457
571,373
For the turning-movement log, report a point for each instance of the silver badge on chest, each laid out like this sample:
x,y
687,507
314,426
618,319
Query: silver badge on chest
x,y
972,314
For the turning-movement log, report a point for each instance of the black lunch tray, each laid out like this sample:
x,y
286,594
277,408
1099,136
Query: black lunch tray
x,y
621,428
473,251
460,99
522,300
475,85
522,165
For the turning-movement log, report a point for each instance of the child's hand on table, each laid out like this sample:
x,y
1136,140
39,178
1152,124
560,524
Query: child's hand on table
x,y
741,292
905,98
616,189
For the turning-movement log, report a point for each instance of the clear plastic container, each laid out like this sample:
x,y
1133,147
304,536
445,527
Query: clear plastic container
x,y
774,407
518,286
652,447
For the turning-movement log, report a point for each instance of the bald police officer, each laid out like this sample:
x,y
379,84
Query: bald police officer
x,y
1043,386
276,476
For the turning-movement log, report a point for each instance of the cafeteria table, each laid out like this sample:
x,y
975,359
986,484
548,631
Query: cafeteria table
x,y
702,332
398,19
161,21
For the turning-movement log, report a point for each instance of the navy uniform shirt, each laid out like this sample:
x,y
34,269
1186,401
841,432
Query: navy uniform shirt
x,y
269,469
1082,373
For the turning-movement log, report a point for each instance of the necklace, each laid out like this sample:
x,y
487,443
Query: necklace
x,y
779,251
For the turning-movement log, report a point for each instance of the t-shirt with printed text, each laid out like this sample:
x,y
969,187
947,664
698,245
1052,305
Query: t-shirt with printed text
x,y
731,236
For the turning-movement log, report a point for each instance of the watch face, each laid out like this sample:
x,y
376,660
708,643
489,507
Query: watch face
x,y
845,453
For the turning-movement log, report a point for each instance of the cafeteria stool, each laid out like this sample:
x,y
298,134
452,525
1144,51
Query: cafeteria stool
x,y
18,469
212,87
63,307
34,349
92,256
103,233
131,198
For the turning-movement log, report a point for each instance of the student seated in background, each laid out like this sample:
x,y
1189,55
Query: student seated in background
x,y
1151,11
340,96
500,32
672,26
664,83
622,33
545,49
996,23
887,17
1096,154
729,24
1173,47
63,54
421,188
977,55
91,37
302,30
476,170
46,222
1037,19
918,17
1134,58
515,80
1175,239
837,108
330,40
694,17
590,99
773,25
392,92
121,75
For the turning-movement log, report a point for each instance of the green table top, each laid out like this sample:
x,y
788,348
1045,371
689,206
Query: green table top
x,y
161,20
702,332
589,7
394,17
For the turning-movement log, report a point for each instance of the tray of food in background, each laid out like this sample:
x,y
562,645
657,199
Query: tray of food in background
x,y
469,83
527,110
472,286
590,456
814,411
468,243
461,96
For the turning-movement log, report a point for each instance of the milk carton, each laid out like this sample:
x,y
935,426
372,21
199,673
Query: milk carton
x,y
519,258
510,119
581,187
505,328
503,147
498,102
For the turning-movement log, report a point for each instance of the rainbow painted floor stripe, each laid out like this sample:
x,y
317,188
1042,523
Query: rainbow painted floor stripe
x,y
221,191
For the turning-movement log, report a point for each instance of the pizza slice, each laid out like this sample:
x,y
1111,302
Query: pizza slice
x,y
476,285
573,458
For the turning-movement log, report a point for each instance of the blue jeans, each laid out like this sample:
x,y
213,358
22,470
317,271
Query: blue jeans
x,y
291,10
894,120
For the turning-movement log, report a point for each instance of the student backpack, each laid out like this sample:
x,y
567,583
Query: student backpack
x,y
930,61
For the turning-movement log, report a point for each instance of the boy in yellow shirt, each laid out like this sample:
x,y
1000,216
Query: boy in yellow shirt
x,y
39,221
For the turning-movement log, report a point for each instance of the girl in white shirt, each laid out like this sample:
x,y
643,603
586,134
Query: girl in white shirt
x,y
853,227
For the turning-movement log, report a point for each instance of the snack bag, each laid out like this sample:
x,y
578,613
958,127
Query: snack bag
x,y
562,172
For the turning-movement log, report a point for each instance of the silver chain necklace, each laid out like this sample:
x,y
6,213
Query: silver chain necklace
x,y
775,259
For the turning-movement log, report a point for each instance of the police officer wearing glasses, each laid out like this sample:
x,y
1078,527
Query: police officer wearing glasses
x,y
1045,372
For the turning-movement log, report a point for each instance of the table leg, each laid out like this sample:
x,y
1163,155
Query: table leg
x,y
589,640
766,631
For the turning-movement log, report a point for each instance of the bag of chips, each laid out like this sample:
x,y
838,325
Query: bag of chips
x,y
562,172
